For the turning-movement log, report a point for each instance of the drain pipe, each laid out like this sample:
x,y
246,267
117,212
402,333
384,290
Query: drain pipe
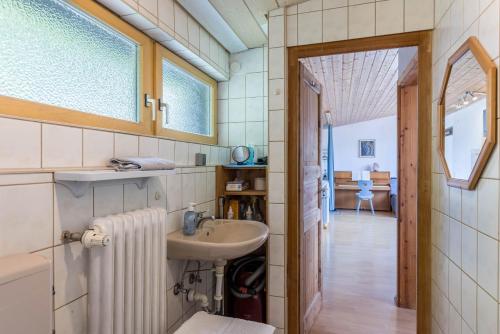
x,y
219,282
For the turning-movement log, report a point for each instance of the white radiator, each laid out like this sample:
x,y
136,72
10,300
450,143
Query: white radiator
x,y
127,281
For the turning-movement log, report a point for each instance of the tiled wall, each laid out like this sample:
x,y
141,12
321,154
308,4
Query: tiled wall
x,y
465,224
317,21
168,23
243,102
34,210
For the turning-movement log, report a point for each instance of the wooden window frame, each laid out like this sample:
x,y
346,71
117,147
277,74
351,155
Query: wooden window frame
x,y
162,53
24,109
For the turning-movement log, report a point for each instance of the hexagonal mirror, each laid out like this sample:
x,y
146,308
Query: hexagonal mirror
x,y
467,114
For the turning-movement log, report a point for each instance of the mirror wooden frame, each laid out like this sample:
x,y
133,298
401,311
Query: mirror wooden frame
x,y
490,71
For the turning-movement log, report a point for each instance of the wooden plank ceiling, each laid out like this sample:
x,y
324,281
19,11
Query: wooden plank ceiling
x,y
466,75
357,86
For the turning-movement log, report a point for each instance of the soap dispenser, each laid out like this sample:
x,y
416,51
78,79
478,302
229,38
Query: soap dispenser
x,y
190,220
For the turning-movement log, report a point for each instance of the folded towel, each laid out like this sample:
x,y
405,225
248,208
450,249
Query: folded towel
x,y
203,323
140,163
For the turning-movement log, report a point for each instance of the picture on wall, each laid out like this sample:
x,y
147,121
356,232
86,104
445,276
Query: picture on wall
x,y
367,148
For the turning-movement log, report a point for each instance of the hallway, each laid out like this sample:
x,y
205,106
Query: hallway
x,y
360,278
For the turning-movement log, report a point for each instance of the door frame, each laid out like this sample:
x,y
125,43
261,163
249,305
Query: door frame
x,y
406,232
423,40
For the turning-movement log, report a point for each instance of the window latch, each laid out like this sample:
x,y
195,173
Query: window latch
x,y
150,102
163,106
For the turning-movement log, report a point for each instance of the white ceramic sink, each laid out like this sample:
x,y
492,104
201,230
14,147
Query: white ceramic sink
x,y
221,239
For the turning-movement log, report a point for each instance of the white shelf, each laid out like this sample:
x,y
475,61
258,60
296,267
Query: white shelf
x,y
78,182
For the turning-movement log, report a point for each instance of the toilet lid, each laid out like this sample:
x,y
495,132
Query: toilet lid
x,y
204,323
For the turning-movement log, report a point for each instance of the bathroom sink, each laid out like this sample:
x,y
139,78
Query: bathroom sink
x,y
221,239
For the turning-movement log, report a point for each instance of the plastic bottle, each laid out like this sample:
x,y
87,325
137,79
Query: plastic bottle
x,y
189,227
230,214
249,213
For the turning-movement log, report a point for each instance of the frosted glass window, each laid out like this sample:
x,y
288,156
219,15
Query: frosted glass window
x,y
53,53
188,100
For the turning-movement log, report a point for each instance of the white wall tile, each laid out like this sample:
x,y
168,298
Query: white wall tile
x,y
292,30
237,86
276,218
236,134
61,146
487,264
419,15
181,21
148,147
487,313
254,84
310,27
488,199
26,153
276,63
335,24
254,109
166,149
455,286
276,157
455,246
70,213
276,250
134,198
469,302
276,187
277,281
193,32
309,6
237,109
98,147
223,134
328,4
188,190
488,29
70,273
254,133
456,203
200,187
126,145
192,150
166,12
157,192
469,208
389,17
362,20
181,153
108,199
223,90
174,192
276,311
276,31
276,125
222,111
469,251
72,318
276,96
26,212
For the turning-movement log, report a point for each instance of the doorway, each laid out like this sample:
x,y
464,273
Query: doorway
x,y
299,311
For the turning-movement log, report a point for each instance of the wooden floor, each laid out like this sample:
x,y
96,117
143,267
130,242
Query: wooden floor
x,y
360,277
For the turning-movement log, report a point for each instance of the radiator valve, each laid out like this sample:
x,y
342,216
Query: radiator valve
x,y
89,238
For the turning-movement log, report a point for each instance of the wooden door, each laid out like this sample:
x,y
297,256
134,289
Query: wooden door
x,y
407,195
310,199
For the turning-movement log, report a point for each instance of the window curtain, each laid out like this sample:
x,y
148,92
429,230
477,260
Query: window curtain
x,y
331,170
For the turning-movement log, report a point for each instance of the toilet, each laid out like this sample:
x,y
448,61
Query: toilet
x,y
204,323
25,294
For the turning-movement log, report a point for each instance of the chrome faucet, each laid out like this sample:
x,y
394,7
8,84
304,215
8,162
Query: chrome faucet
x,y
202,220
